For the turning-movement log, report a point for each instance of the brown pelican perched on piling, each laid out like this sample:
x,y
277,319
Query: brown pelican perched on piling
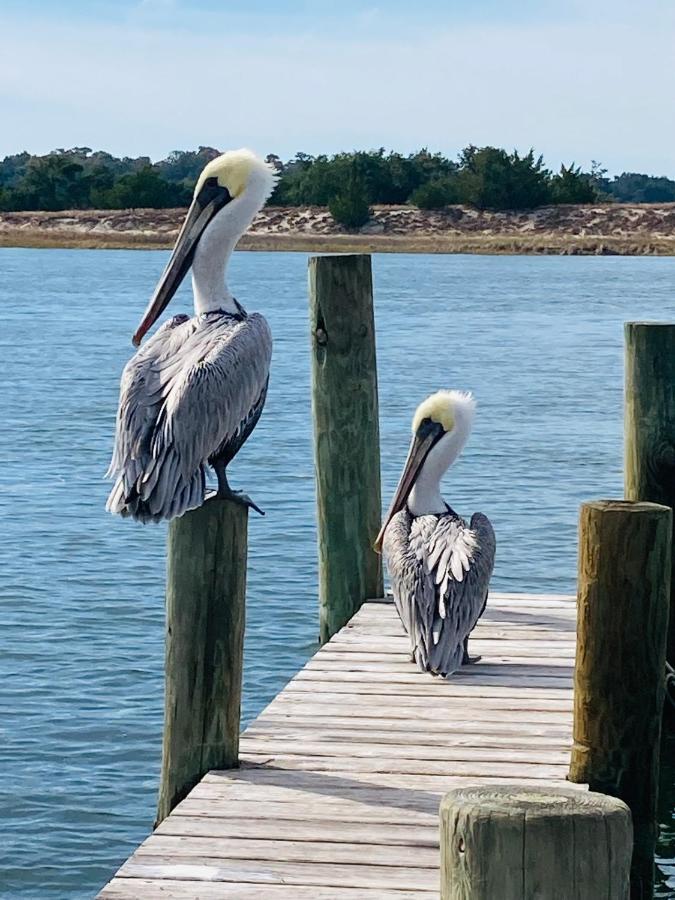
x,y
440,567
192,395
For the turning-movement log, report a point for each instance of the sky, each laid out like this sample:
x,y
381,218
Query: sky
x,y
578,80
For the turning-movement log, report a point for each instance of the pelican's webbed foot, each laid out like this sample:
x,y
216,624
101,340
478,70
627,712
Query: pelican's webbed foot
x,y
244,499
226,493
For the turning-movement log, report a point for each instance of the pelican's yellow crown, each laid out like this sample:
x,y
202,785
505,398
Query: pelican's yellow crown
x,y
234,170
444,407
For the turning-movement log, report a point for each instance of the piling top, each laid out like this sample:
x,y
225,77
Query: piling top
x,y
532,801
338,256
627,506
648,324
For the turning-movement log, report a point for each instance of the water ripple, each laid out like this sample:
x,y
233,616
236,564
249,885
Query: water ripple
x,y
81,652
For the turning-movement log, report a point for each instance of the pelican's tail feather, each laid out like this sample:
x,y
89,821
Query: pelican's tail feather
x,y
163,493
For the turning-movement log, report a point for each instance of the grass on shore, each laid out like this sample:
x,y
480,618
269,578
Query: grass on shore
x,y
543,244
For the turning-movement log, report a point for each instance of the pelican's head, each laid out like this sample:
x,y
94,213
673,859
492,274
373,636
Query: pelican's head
x,y
238,172
445,419
230,190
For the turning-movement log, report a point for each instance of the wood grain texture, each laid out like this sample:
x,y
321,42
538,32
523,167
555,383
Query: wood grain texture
x,y
269,871
205,888
341,776
205,612
649,425
534,844
346,436
624,596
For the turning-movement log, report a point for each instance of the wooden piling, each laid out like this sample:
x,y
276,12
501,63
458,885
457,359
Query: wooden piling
x,y
346,435
205,611
649,425
513,842
623,599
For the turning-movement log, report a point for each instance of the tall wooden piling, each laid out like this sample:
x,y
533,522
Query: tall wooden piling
x,y
511,842
346,435
650,425
205,611
623,600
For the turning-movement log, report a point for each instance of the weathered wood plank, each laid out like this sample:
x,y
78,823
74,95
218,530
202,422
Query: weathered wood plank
x,y
523,669
344,781
356,765
267,872
499,709
323,851
374,738
462,684
301,831
311,809
444,727
412,752
161,889
496,698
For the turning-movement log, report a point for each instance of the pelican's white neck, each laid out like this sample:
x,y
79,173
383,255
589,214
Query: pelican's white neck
x,y
217,242
425,497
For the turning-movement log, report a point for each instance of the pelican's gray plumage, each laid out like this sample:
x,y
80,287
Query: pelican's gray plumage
x,y
192,394
440,566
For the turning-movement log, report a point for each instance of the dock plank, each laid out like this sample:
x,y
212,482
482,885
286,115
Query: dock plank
x,y
341,775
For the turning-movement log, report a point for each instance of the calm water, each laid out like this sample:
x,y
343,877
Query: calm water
x,y
539,341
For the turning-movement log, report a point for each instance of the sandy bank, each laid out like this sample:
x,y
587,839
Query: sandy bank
x,y
639,229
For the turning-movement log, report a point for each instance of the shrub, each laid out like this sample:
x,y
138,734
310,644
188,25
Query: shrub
x,y
572,185
436,194
349,209
491,178
349,205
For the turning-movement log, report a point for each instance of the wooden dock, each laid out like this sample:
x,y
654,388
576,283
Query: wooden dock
x,y
341,776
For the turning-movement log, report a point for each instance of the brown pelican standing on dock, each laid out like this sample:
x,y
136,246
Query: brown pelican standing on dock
x,y
192,395
440,567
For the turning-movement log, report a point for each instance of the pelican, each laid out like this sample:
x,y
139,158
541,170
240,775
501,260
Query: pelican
x,y
191,396
440,567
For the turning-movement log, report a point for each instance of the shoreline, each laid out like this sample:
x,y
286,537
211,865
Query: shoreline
x,y
604,229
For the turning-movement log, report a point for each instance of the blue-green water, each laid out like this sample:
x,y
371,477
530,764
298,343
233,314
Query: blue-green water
x,y
538,340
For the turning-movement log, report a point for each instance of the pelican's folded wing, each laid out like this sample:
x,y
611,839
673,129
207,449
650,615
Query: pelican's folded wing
x,y
142,389
457,565
220,381
180,409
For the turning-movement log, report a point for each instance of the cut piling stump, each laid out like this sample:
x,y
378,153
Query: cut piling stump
x,y
534,844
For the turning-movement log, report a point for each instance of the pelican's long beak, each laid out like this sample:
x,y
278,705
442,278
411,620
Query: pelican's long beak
x,y
426,436
208,202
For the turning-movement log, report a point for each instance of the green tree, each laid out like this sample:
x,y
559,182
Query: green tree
x,y
571,185
491,178
185,166
145,190
349,206
53,182
436,194
633,187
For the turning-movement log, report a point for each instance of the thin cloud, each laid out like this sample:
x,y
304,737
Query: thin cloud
x,y
575,92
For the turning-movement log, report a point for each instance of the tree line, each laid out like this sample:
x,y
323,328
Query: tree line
x,y
347,183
